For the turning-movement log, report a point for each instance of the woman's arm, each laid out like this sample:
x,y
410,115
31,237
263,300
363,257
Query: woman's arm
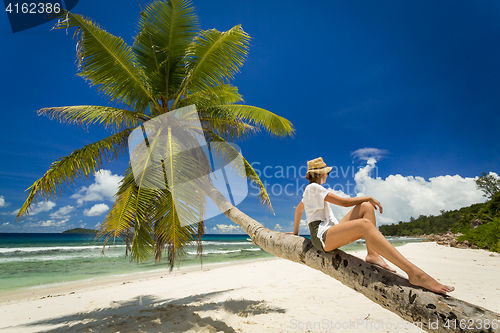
x,y
348,202
298,215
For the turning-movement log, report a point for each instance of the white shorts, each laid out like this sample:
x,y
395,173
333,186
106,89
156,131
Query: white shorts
x,y
322,228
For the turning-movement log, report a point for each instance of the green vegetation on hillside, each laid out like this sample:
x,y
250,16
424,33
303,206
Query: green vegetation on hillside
x,y
80,231
489,184
485,236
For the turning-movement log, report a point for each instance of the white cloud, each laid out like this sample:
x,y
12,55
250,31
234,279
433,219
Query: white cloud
x,y
404,197
104,187
366,153
2,201
228,229
303,227
53,223
279,228
49,225
96,210
42,206
63,212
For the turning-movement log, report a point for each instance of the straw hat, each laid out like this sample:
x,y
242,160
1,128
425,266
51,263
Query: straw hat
x,y
318,166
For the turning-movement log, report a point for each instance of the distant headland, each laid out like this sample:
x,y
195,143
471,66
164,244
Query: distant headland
x,y
80,231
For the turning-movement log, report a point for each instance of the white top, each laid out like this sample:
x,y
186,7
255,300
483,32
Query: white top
x,y
315,205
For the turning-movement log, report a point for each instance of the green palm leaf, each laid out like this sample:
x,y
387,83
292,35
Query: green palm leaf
x,y
79,164
166,30
120,219
248,171
160,207
143,246
214,57
129,219
228,128
224,94
90,114
169,231
108,62
273,123
224,123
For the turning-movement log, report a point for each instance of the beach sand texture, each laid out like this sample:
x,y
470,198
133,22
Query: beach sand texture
x,y
268,295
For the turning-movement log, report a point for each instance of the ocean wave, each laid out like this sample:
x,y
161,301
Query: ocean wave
x,y
59,253
53,248
223,251
224,243
59,257
48,249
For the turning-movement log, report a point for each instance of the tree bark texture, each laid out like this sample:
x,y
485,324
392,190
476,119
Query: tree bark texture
x,y
430,311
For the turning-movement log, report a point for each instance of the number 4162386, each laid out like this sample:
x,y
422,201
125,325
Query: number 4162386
x,y
471,324
33,8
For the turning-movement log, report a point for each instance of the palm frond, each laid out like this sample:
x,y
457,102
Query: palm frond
x,y
231,153
228,128
166,30
108,62
120,219
213,59
170,232
224,123
263,196
224,94
271,122
130,219
182,208
79,164
143,245
166,202
91,114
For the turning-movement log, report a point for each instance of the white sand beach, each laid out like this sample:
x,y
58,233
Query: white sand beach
x,y
269,295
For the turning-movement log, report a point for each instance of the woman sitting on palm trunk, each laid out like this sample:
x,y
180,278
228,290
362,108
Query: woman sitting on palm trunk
x,y
328,234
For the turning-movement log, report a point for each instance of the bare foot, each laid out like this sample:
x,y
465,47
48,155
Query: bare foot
x,y
425,280
377,260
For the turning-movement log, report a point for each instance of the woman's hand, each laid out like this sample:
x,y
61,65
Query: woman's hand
x,y
376,205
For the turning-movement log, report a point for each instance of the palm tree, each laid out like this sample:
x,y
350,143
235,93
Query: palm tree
x,y
170,66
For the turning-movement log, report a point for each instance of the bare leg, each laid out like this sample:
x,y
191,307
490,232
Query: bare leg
x,y
345,233
365,210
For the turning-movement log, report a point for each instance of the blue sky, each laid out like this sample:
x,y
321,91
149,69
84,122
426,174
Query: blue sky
x,y
403,91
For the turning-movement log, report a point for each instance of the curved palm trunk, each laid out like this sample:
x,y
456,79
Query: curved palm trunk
x,y
428,310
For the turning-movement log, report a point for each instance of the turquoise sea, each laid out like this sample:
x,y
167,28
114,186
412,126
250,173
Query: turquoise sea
x,y
38,260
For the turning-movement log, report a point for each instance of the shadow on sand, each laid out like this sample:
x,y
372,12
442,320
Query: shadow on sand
x,y
148,313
